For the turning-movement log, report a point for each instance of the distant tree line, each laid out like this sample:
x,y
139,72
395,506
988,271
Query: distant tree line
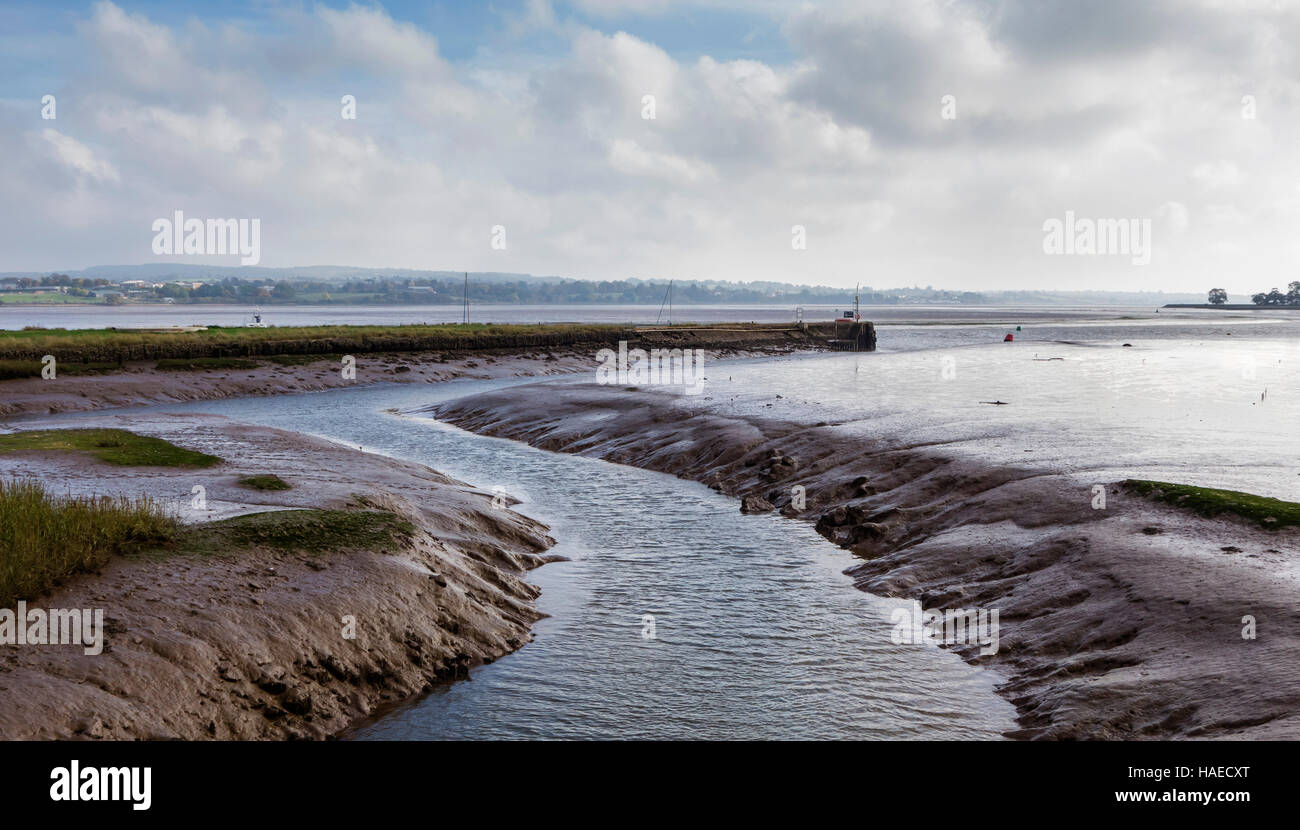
x,y
429,291
1218,296
1275,297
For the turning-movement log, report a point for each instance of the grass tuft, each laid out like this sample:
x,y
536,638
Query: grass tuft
x,y
1206,501
270,481
112,446
43,540
310,531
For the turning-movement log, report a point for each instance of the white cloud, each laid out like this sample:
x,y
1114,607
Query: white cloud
x,y
368,37
79,157
1055,111
627,156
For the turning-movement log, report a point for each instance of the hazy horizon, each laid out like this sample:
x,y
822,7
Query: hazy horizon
x,y
191,270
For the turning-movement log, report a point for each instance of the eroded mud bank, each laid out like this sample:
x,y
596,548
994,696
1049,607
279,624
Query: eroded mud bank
x,y
253,641
1119,623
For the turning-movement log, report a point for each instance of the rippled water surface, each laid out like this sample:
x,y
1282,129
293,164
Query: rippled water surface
x,y
758,634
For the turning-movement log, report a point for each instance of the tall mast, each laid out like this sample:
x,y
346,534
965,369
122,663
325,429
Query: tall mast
x,y
668,300
466,296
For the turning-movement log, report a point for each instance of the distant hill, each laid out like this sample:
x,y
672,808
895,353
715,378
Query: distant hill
x,y
346,284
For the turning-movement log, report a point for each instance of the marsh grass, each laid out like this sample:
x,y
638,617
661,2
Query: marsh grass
x,y
12,369
270,481
44,540
199,364
1207,501
301,359
306,531
101,345
112,446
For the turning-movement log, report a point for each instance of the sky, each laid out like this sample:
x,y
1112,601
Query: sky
x,y
918,142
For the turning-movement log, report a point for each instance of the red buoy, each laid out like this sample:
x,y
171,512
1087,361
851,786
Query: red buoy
x,y
1009,338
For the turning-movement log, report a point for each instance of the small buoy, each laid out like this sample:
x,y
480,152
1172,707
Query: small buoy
x,y
1009,338
1128,345
1017,328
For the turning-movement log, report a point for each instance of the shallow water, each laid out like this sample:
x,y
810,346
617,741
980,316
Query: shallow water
x,y
758,634
147,315
1215,410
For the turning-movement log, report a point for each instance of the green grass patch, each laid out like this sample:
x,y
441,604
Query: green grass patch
x,y
43,540
12,369
309,531
76,369
300,359
1206,501
198,364
98,345
112,446
270,481
48,299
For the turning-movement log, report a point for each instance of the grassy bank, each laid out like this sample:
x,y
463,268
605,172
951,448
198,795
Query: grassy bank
x,y
86,351
109,345
267,482
43,540
201,364
112,446
1207,501
306,531
10,369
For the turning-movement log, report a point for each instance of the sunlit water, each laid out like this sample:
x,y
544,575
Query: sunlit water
x,y
1216,411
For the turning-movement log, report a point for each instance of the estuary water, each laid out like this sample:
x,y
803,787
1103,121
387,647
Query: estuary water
x,y
757,633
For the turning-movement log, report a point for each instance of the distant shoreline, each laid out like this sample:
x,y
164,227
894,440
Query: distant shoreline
x,y
1235,306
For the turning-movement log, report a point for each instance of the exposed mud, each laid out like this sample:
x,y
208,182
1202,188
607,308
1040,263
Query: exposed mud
x,y
1109,630
254,643
140,383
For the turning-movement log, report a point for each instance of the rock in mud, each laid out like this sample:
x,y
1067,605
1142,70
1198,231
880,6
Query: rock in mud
x,y
756,504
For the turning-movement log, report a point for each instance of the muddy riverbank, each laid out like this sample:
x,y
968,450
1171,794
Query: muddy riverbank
x,y
1119,623
296,625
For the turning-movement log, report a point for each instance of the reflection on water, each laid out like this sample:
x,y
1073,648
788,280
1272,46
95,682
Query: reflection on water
x,y
1216,411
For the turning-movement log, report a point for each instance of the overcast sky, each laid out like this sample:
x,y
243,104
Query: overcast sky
x,y
768,115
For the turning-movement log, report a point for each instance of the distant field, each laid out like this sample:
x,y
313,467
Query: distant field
x,y
50,299
112,446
